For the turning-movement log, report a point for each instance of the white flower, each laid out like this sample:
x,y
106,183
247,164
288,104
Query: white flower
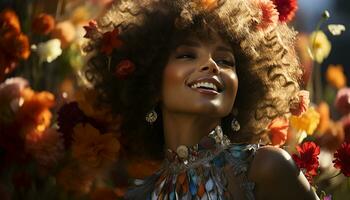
x,y
49,51
336,29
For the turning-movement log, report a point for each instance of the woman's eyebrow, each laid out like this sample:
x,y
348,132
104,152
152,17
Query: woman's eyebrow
x,y
190,43
223,48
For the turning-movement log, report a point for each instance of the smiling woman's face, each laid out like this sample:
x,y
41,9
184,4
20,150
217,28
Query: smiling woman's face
x,y
200,78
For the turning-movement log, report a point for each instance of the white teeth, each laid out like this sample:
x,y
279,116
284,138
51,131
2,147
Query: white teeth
x,y
205,84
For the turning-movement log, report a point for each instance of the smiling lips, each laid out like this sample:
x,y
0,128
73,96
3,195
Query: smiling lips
x,y
209,85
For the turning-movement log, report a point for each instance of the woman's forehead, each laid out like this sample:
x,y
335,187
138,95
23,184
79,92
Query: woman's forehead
x,y
197,41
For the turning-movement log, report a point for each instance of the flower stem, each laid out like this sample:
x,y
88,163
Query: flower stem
x,y
335,175
59,8
315,83
109,63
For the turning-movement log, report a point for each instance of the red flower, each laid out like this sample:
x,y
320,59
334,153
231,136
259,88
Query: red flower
x,y
43,24
124,69
110,41
91,30
307,160
342,159
286,9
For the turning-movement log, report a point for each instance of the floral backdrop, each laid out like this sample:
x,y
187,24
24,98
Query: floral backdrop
x,y
55,144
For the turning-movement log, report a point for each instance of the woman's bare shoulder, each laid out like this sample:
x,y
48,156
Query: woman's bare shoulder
x,y
277,177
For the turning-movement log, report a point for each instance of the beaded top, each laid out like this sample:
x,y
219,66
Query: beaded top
x,y
199,172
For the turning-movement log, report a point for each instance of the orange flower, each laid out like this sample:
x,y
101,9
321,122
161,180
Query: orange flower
x,y
64,31
46,147
335,76
93,149
13,47
306,62
268,14
110,41
333,136
73,179
43,24
323,110
9,21
103,193
87,99
34,114
209,4
278,131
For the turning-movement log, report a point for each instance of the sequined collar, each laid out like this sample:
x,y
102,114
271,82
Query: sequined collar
x,y
199,172
208,147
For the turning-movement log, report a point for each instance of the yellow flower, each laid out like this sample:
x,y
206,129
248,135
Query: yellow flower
x,y
335,76
80,15
93,149
306,122
320,46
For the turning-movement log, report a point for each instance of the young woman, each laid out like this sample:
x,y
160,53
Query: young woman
x,y
196,83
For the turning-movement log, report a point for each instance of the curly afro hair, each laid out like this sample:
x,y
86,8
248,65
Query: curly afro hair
x,y
267,66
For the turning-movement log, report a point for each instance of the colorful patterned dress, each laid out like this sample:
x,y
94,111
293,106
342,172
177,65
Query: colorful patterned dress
x,y
200,172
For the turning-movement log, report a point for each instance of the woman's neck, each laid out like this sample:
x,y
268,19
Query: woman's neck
x,y
186,129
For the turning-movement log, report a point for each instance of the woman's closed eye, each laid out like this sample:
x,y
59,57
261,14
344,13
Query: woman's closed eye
x,y
186,56
225,62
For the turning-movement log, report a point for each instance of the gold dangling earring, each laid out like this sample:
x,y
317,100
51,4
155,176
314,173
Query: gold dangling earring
x,y
235,125
151,116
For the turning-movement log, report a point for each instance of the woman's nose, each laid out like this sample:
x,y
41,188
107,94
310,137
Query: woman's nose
x,y
210,66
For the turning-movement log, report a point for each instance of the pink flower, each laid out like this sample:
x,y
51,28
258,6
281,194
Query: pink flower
x,y
10,92
346,126
269,14
12,87
301,104
278,131
342,101
286,9
328,197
